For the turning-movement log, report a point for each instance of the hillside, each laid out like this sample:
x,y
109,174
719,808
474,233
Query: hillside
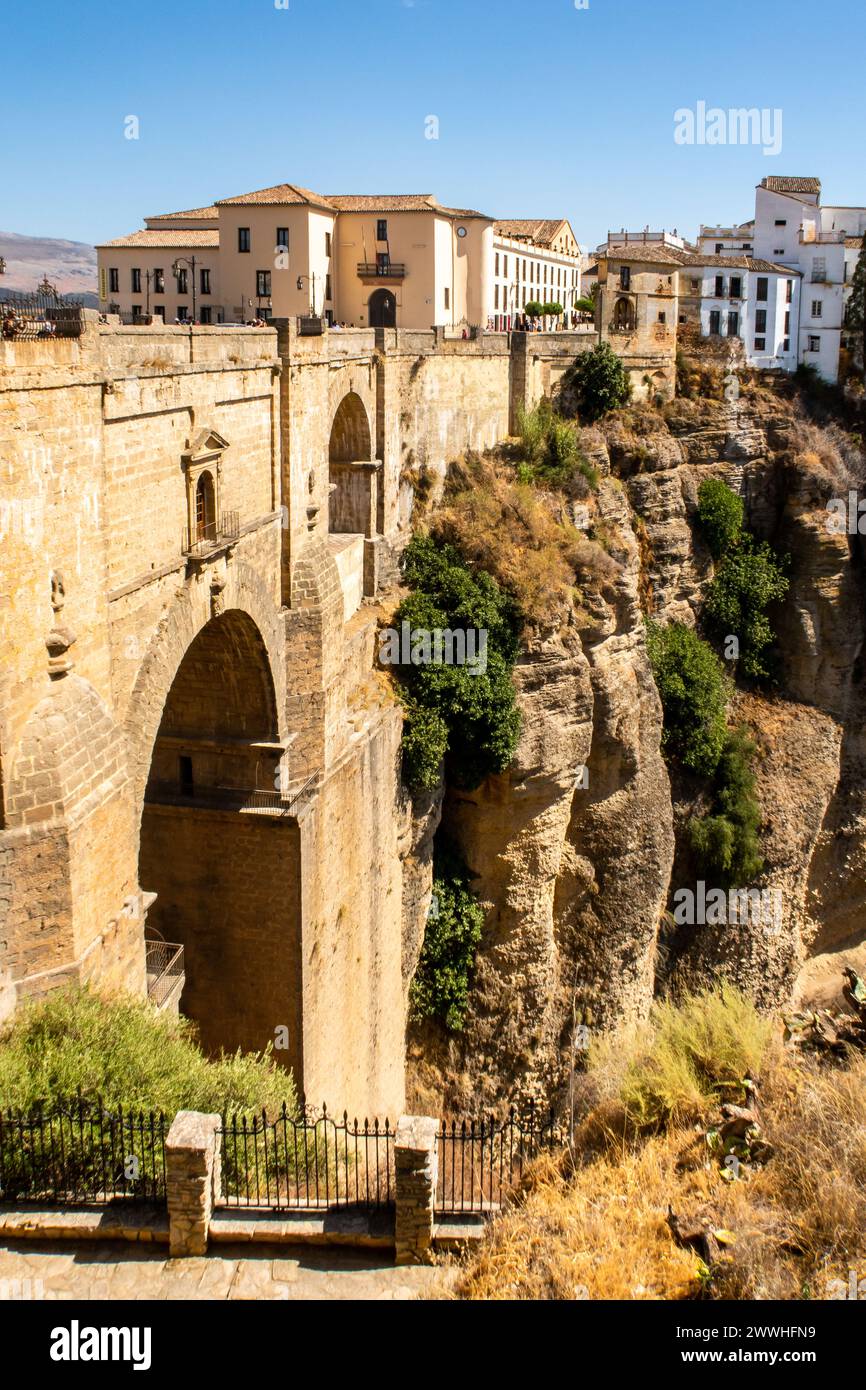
x,y
70,265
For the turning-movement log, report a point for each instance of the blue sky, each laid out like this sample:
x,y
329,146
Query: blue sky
x,y
544,109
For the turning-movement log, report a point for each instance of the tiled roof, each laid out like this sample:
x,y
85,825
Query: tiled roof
x,y
395,202
538,229
737,263
168,238
278,195
648,251
193,214
785,183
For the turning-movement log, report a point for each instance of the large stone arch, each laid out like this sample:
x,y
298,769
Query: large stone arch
x,y
189,612
219,863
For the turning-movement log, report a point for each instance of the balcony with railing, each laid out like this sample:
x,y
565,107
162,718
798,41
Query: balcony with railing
x,y
382,270
209,536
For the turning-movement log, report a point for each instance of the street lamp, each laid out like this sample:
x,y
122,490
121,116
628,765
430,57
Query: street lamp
x,y
175,270
312,280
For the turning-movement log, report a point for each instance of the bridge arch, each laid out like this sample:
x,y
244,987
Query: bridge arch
x,y
222,860
352,496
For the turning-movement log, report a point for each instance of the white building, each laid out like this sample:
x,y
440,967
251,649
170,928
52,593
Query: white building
x,y
534,261
727,241
792,228
742,297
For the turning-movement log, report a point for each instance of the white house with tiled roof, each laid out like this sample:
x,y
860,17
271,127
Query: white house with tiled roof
x,y
366,260
535,260
746,298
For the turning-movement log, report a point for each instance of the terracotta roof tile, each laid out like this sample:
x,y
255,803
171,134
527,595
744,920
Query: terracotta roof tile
x,y
648,251
278,195
168,238
787,183
396,202
193,214
538,229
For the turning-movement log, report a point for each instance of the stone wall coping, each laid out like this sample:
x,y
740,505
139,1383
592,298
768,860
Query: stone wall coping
x,y
191,1131
416,1132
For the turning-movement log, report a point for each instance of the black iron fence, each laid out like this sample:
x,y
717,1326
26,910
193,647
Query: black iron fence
x,y
480,1161
39,316
308,1161
82,1152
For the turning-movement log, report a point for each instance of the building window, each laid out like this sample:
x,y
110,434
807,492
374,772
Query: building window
x,y
781,222
736,287
447,297
720,246
328,292
136,311
382,229
182,281
263,283
497,263
205,282
696,286
205,314
243,238
787,322
136,281
817,308
720,287
159,310
282,238
715,322
114,280
185,780
763,288
786,346
327,243
383,262
778,250
760,320
814,342
505,265
159,282
789,291
182,313
760,344
733,324
819,268
662,316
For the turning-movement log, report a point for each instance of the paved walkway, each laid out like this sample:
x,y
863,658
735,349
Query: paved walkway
x,y
31,1269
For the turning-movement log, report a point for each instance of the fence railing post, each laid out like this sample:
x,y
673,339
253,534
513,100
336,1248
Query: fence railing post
x,y
416,1166
192,1170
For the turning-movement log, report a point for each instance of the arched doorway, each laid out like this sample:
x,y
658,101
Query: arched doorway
x,y
383,309
224,863
624,315
350,444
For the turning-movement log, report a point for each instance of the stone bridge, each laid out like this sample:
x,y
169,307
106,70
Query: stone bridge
x,y
191,521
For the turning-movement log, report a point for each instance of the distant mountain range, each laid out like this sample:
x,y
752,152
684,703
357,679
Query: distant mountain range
x,y
69,265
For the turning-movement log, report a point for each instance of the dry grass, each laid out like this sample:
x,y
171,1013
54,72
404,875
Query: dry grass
x,y
601,1232
523,536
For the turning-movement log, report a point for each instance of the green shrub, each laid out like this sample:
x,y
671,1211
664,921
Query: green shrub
x,y
720,513
749,578
125,1052
533,308
468,716
694,691
598,382
440,987
695,1055
726,840
551,448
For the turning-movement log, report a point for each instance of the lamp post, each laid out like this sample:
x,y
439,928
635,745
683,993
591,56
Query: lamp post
x,y
312,281
175,270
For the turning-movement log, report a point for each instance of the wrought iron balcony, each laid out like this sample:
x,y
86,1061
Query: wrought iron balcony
x,y
210,535
382,270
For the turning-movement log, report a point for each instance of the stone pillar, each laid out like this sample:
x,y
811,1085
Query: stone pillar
x,y
192,1167
416,1161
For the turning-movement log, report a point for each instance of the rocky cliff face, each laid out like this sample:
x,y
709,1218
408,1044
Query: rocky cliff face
x,y
575,871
